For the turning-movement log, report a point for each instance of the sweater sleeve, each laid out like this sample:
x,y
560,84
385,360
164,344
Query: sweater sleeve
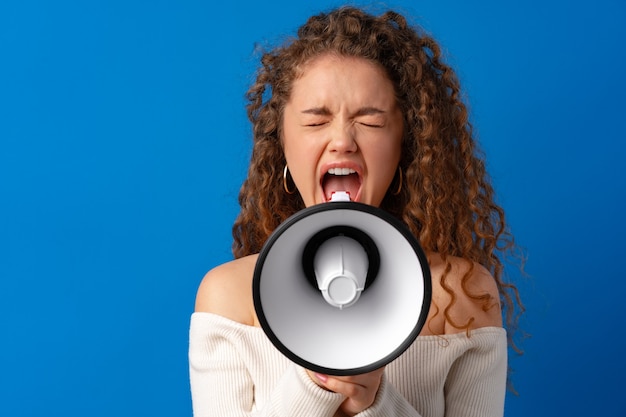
x,y
472,371
476,383
236,372
389,403
222,359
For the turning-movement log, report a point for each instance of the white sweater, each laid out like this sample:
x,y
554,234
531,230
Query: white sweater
x,y
235,371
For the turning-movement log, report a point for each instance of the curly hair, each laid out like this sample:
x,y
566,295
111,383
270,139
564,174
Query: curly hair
x,y
447,200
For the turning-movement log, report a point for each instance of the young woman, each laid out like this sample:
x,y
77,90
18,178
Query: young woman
x,y
363,104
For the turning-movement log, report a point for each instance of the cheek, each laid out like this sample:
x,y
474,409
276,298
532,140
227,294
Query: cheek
x,y
300,159
296,153
388,155
294,145
385,162
390,148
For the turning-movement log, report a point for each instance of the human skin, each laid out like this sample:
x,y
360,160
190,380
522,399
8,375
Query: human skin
x,y
343,134
343,114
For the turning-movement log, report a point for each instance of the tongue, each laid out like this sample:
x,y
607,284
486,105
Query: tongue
x,y
348,183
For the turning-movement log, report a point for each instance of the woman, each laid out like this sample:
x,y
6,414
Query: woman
x,y
362,104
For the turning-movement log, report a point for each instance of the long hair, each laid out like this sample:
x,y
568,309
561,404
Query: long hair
x,y
446,199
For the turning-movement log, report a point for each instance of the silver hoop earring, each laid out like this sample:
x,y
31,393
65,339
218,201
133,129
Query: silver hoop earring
x,y
400,179
285,186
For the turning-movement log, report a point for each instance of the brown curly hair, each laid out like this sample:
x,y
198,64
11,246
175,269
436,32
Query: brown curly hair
x,y
447,200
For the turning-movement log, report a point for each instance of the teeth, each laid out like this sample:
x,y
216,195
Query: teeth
x,y
341,171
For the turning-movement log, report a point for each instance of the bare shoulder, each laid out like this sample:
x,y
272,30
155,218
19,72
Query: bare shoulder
x,y
467,290
226,290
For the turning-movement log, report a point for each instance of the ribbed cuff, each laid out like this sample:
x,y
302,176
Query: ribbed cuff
x,y
389,403
300,396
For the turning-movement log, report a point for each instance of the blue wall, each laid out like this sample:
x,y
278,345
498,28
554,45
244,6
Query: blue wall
x,y
123,142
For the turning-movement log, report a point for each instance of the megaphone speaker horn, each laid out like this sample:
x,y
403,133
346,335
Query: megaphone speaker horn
x,y
341,261
342,288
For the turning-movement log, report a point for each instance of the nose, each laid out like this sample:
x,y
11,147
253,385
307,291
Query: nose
x,y
342,139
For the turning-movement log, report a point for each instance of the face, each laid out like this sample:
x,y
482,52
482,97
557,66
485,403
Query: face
x,y
342,130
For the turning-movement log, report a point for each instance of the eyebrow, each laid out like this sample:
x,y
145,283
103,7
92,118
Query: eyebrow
x,y
317,111
324,111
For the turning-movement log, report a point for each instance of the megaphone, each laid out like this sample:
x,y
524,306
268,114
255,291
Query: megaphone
x,y
342,288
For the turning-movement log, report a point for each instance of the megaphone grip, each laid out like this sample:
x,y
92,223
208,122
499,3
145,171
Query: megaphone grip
x,y
363,239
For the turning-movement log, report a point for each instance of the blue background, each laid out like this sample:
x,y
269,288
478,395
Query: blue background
x,y
123,142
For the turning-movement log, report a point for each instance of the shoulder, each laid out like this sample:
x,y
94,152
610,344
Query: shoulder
x,y
226,290
466,291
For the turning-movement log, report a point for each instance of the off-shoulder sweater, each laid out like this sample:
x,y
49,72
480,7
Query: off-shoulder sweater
x,y
235,371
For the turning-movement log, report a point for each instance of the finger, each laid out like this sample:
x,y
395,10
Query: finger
x,y
360,391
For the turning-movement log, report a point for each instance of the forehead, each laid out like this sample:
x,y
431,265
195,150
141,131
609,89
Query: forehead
x,y
327,60
331,74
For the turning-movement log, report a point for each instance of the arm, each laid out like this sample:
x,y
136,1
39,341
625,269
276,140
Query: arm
x,y
222,363
476,383
367,395
465,376
234,369
389,402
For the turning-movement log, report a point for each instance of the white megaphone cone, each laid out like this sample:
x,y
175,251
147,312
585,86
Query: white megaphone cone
x,y
342,288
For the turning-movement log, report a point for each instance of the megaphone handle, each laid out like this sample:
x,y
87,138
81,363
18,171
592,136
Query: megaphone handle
x,y
340,196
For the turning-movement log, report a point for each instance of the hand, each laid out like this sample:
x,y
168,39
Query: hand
x,y
360,390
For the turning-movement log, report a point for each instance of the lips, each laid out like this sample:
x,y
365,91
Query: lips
x,y
341,178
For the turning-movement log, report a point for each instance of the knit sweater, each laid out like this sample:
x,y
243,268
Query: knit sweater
x,y
235,371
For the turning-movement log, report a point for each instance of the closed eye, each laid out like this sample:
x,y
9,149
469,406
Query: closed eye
x,y
371,117
376,125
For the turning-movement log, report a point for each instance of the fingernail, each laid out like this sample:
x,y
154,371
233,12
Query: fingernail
x,y
321,377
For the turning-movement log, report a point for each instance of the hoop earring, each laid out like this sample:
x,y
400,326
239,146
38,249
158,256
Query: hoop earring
x,y
399,189
285,186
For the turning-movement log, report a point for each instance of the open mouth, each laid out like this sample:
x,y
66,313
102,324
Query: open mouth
x,y
341,179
